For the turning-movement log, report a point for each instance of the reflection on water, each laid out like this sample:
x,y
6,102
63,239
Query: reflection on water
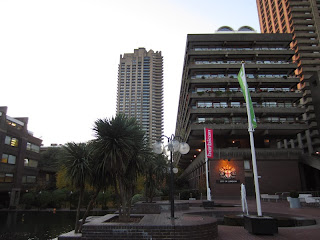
x,y
40,225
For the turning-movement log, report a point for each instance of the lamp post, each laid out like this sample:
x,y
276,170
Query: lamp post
x,y
173,146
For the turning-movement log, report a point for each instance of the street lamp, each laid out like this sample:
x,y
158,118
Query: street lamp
x,y
173,146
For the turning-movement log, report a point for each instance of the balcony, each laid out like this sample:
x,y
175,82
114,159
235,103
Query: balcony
x,y
239,95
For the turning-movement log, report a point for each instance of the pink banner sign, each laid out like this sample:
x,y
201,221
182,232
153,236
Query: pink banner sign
x,y
209,142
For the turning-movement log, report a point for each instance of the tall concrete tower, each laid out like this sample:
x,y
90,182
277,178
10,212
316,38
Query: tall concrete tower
x,y
140,90
301,19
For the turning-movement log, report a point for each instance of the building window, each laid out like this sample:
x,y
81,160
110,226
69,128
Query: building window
x,y
47,177
28,179
246,164
6,177
30,163
13,124
12,141
9,159
32,147
235,104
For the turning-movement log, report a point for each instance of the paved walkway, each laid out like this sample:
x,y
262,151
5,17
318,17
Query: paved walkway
x,y
280,207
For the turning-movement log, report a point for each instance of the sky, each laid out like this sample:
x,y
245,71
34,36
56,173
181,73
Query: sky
x,y
59,58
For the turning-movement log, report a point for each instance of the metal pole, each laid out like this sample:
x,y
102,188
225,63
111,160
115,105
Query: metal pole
x,y
206,161
255,173
253,151
171,186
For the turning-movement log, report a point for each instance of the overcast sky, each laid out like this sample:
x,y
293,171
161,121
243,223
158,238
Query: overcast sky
x,y
59,58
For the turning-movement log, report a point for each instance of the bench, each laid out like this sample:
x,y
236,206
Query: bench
x,y
303,197
269,197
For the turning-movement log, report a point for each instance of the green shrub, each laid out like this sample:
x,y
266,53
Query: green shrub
x,y
44,199
59,197
136,198
103,199
186,194
28,199
294,194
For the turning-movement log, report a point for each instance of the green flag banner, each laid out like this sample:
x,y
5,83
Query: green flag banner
x,y
244,87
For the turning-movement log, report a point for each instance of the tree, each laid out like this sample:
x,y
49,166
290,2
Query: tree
x,y
99,179
121,147
155,173
76,160
62,180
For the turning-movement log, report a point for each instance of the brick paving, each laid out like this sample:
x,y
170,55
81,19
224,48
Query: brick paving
x,y
238,232
280,207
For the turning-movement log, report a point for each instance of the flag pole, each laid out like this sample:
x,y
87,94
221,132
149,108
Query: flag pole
x,y
207,175
253,152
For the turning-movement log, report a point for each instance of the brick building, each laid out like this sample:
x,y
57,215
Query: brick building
x,y
20,152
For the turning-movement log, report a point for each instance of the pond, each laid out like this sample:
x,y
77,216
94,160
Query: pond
x,y
19,225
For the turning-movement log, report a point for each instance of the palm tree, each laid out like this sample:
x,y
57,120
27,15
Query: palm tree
x,y
76,160
155,173
99,179
121,146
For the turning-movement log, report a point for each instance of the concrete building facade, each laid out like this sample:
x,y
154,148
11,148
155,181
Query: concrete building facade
x,y
140,90
301,18
211,97
20,152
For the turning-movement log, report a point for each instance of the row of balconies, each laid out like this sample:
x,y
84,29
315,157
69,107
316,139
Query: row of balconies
x,y
298,3
303,14
300,9
303,22
260,79
230,52
290,67
239,95
242,110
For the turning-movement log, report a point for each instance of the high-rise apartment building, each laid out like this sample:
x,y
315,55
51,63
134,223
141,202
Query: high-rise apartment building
x,y
211,97
301,18
140,90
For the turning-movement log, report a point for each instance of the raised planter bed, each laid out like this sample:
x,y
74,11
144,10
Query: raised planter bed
x,y
151,226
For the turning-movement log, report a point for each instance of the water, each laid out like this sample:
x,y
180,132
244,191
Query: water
x,y
34,225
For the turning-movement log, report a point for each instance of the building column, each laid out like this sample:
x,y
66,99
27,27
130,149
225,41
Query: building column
x,y
14,198
310,148
292,143
300,141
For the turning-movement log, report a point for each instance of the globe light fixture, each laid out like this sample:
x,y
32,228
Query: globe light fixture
x,y
173,146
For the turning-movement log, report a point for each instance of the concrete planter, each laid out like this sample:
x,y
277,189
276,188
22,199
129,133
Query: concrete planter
x,y
208,204
294,202
261,225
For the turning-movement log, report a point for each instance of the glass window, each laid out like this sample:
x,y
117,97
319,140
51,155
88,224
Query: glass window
x,y
30,163
223,104
6,177
10,159
7,140
12,141
235,104
28,179
200,119
236,119
33,147
204,104
246,164
4,158
234,89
